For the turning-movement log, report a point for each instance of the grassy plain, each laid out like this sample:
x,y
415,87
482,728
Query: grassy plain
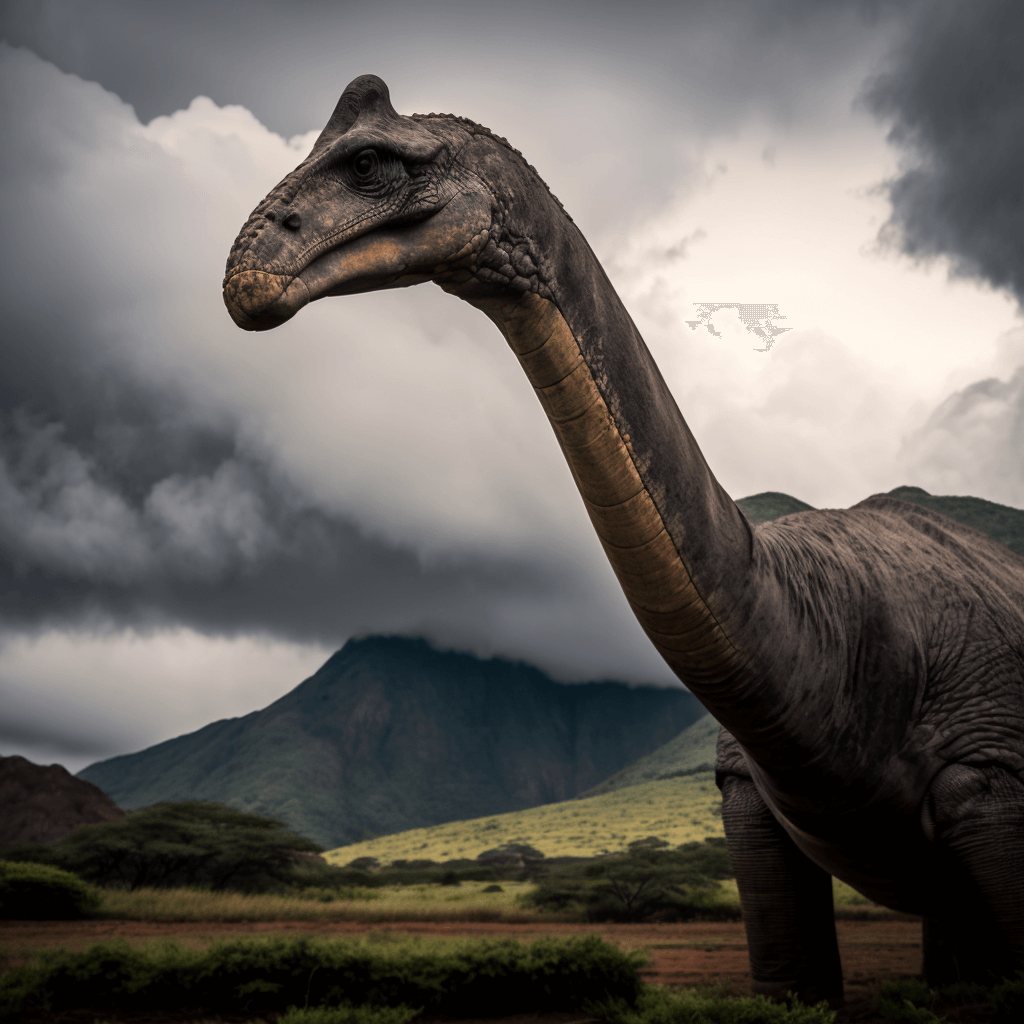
x,y
428,902
676,810
464,902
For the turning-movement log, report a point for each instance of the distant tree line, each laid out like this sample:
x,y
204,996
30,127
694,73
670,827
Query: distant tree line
x,y
214,847
189,843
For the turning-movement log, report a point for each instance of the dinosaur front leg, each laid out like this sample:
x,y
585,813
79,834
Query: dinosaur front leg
x,y
976,818
786,899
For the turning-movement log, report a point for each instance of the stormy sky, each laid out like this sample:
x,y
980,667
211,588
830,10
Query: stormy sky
x,y
192,518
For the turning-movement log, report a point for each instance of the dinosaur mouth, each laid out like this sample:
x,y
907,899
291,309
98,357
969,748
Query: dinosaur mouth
x,y
259,301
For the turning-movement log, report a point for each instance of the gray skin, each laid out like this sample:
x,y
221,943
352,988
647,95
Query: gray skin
x,y
867,663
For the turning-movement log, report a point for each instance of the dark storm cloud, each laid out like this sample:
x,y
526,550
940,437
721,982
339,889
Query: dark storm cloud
x,y
66,737
618,83
153,521
955,97
274,57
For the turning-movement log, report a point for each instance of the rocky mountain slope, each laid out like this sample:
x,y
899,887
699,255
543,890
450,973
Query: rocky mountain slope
x,y
43,804
391,734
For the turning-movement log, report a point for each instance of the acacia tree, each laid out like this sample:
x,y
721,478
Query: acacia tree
x,y
648,881
186,843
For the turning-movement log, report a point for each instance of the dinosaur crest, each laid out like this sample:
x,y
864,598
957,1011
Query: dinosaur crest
x,y
364,117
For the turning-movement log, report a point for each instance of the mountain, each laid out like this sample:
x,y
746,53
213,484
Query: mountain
x,y
43,804
692,751
391,734
759,508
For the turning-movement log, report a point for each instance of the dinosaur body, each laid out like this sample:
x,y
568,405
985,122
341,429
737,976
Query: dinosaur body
x,y
867,663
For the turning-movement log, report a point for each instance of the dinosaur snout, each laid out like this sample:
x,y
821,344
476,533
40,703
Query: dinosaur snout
x,y
258,301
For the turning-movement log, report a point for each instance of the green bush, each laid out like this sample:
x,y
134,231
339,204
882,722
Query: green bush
x,y
187,843
31,853
913,1002
346,1014
41,892
647,883
270,976
1007,1000
686,1006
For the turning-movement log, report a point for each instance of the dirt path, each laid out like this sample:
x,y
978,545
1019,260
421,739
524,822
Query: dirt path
x,y
681,954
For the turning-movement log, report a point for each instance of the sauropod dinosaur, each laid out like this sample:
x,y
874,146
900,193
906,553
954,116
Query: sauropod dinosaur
x,y
868,663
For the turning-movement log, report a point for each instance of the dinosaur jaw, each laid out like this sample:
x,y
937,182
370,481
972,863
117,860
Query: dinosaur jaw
x,y
391,257
259,301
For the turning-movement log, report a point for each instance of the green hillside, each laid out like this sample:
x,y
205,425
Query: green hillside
x,y
676,810
760,508
693,750
391,734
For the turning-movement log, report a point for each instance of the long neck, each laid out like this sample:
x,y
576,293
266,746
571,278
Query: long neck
x,y
680,547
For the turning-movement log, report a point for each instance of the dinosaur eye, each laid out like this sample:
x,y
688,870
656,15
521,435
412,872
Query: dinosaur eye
x,y
365,164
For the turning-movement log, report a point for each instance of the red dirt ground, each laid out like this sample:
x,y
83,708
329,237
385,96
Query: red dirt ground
x,y
685,954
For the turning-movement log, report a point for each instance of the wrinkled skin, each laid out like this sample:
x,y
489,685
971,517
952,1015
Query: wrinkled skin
x,y
867,664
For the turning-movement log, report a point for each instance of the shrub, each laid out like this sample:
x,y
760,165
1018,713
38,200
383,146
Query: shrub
x,y
188,843
347,1014
686,1006
41,892
31,853
269,976
1008,1000
364,864
913,1002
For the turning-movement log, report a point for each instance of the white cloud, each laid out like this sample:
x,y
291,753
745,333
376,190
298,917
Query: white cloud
x,y
875,341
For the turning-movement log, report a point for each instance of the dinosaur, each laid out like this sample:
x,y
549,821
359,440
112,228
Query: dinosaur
x,y
866,664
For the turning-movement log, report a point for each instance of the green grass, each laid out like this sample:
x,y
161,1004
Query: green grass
x,y
677,810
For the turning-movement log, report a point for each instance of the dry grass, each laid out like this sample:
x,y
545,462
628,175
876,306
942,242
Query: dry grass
x,y
677,810
465,902
427,902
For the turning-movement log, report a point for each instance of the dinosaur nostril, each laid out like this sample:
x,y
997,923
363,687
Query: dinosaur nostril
x,y
292,222
271,216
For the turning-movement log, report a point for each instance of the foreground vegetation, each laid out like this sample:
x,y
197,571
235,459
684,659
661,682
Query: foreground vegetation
x,y
658,1005
677,810
913,1002
268,976
378,980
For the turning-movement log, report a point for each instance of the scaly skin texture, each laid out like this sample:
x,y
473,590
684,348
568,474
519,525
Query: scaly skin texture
x,y
867,664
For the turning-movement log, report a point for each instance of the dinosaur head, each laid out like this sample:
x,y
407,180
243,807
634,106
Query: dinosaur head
x,y
380,202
